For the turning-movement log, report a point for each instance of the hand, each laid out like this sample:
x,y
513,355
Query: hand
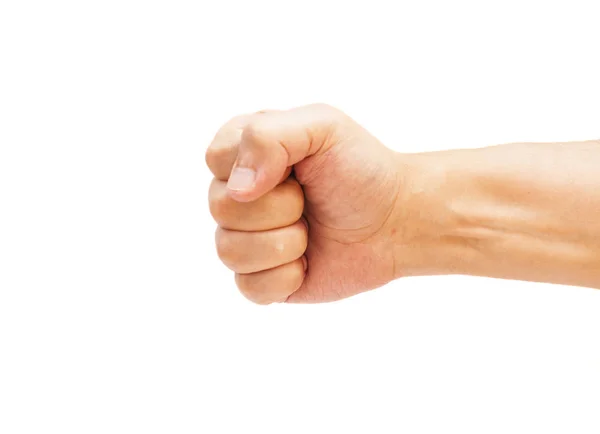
x,y
304,200
312,208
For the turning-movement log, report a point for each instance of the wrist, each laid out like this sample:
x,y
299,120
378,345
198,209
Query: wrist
x,y
428,239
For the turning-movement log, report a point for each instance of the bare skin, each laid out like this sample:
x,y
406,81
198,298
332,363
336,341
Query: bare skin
x,y
312,208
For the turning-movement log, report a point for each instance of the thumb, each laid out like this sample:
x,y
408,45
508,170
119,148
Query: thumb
x,y
273,141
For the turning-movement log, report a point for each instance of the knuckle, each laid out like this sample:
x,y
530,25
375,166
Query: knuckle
x,y
302,235
251,291
322,106
226,248
328,110
232,124
295,199
210,158
220,161
218,206
256,130
238,120
213,156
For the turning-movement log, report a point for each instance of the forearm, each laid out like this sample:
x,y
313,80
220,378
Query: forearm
x,y
517,211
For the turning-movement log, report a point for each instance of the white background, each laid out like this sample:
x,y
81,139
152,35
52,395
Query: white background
x,y
115,313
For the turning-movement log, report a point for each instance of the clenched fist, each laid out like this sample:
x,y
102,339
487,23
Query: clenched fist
x,y
312,208
305,200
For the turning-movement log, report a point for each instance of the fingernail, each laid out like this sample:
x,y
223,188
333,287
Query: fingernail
x,y
241,179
